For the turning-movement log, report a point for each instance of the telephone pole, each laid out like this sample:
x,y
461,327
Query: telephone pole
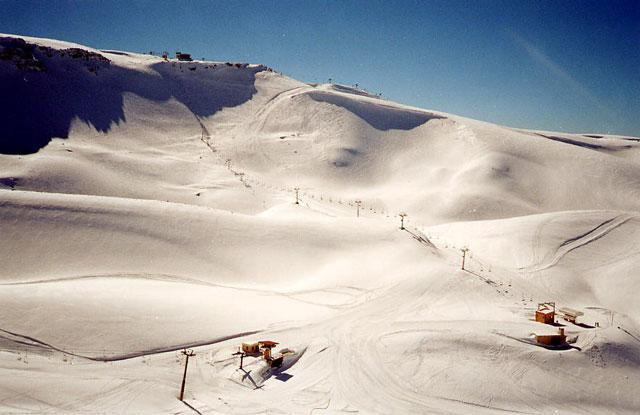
x,y
464,255
358,203
242,355
402,216
188,353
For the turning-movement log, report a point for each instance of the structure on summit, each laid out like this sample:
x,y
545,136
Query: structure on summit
x,y
183,56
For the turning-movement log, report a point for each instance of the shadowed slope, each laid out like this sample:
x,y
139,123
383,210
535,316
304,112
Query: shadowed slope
x,y
42,89
379,116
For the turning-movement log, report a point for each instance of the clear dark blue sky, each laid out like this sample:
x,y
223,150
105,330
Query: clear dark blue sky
x,y
557,65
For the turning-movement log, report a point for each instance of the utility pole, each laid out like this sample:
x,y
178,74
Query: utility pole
x,y
188,353
241,354
358,203
297,189
464,255
402,216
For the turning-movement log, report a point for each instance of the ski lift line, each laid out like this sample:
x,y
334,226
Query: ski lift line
x,y
244,178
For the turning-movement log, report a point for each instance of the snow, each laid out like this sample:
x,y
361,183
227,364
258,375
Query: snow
x,y
148,207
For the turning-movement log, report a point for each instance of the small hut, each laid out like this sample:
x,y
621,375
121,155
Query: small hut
x,y
183,56
266,346
251,349
552,339
546,313
569,314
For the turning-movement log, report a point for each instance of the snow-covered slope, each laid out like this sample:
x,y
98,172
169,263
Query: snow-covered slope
x,y
148,205
326,139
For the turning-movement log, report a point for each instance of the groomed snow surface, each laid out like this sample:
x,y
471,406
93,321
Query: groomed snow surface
x,y
149,206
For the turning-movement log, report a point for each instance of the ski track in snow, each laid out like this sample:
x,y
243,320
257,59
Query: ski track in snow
x,y
573,243
30,341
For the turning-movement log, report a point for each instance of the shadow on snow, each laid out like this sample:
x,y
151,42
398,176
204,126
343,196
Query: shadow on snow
x,y
43,90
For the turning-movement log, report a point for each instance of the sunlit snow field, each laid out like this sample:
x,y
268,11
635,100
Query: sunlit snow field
x,y
150,206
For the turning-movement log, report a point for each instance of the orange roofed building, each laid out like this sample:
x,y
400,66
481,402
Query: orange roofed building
x,y
546,313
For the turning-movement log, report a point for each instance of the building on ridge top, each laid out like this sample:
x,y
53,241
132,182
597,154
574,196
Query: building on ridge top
x,y
183,56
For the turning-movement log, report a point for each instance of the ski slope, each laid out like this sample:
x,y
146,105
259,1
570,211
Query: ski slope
x,y
148,206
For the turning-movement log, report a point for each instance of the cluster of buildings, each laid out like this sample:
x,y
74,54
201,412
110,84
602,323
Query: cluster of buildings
x,y
546,314
179,56
263,348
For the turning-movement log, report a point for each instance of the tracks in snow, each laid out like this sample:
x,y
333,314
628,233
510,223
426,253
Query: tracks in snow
x,y
576,242
33,342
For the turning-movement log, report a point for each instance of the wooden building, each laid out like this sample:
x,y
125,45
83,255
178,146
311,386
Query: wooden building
x,y
183,56
251,349
262,347
552,339
266,346
546,313
569,314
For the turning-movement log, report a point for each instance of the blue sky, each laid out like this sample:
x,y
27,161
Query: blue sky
x,y
556,65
